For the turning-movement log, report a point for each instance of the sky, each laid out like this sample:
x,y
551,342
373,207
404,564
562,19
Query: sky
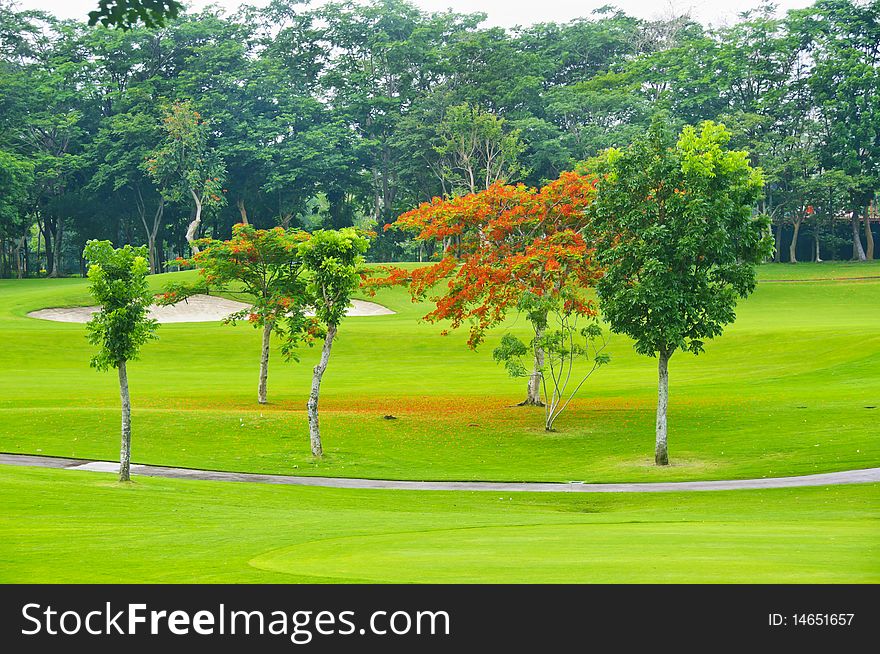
x,y
504,13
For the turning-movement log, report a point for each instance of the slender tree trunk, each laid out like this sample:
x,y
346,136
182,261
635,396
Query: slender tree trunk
x,y
264,363
858,252
125,446
46,230
869,237
193,229
314,428
818,258
792,249
57,255
242,211
26,261
21,256
151,253
777,254
152,232
39,249
661,452
533,387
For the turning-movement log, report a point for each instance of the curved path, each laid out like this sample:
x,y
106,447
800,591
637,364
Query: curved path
x,y
824,479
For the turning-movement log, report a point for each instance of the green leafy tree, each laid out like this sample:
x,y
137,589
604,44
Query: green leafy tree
x,y
476,150
332,261
118,282
265,267
16,181
842,38
119,150
678,237
185,165
53,129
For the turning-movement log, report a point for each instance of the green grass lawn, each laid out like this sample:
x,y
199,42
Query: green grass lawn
x,y
64,526
784,391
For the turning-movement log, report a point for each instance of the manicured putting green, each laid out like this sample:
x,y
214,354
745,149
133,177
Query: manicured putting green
x,y
66,526
714,552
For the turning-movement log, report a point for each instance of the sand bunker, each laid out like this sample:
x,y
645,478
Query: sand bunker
x,y
199,308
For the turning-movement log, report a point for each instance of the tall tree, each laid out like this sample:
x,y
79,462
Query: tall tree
x,y
843,41
265,267
186,166
16,181
117,281
499,247
332,261
476,150
678,238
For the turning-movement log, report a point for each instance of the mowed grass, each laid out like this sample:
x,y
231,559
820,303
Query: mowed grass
x,y
68,527
792,387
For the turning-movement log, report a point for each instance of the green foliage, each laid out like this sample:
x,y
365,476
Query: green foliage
x,y
185,164
118,282
264,266
16,180
511,351
333,260
346,101
476,150
678,236
125,14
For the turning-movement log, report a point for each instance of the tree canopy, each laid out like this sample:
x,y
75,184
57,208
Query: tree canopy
x,y
346,114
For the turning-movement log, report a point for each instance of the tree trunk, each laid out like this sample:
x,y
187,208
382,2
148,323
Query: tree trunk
x,y
242,211
533,387
818,258
858,252
661,453
39,249
125,446
152,232
193,229
27,256
57,254
777,254
21,256
869,237
314,428
264,363
792,249
46,229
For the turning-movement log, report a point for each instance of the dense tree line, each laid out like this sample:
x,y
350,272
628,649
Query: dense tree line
x,y
353,113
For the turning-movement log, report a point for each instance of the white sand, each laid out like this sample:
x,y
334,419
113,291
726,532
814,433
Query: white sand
x,y
198,308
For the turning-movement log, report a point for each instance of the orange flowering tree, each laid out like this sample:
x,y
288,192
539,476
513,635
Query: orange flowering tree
x,y
265,267
508,248
185,167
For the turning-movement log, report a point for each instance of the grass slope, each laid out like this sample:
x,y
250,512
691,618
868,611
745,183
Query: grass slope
x,y
785,391
64,526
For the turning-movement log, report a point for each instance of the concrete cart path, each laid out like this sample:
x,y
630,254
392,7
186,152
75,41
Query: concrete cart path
x,y
828,478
